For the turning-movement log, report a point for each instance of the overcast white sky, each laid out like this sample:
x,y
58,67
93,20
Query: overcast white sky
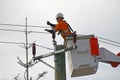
x,y
98,17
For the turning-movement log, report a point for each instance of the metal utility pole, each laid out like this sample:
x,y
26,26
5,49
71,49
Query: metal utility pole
x,y
26,47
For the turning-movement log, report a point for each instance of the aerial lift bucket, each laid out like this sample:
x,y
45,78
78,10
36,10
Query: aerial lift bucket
x,y
82,61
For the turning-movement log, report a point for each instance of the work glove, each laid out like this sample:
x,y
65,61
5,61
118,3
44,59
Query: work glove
x,y
50,31
49,23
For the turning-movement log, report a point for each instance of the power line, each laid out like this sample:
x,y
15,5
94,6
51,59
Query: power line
x,y
109,40
13,30
109,43
24,25
26,44
11,42
5,42
40,32
44,47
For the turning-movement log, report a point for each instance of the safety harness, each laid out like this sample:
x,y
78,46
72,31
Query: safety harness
x,y
67,30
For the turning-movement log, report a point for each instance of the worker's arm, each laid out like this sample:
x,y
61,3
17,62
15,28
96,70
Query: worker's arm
x,y
56,27
50,31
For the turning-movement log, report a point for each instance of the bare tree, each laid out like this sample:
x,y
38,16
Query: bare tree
x,y
41,75
31,63
16,78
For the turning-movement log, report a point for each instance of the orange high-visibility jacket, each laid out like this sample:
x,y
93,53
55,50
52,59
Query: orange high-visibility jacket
x,y
62,26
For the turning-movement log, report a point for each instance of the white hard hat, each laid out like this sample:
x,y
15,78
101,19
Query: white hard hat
x,y
59,15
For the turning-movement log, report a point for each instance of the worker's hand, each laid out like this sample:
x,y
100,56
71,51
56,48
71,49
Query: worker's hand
x,y
48,23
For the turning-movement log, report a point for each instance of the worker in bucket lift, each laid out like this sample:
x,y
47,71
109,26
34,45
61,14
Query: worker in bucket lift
x,y
62,27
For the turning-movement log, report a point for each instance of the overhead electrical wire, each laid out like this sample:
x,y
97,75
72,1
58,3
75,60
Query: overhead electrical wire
x,y
13,30
44,47
11,42
108,41
24,25
5,42
111,42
